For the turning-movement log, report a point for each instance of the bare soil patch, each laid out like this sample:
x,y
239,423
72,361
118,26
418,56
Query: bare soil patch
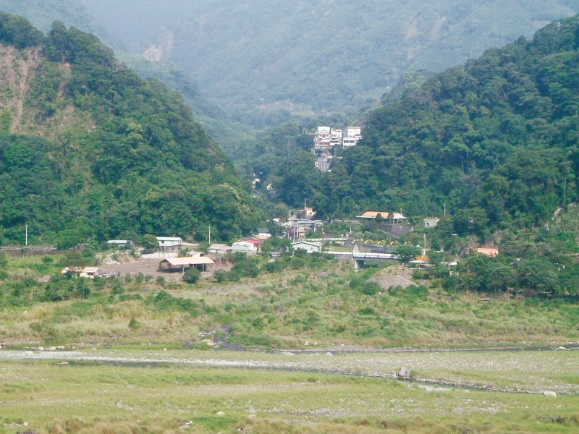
x,y
150,268
393,276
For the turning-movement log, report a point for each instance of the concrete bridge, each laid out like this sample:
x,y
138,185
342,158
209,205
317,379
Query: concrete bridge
x,y
361,259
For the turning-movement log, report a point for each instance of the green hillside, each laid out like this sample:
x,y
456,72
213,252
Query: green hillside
x,y
494,140
91,151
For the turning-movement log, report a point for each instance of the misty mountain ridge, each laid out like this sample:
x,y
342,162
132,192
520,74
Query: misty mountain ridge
x,y
264,62
301,56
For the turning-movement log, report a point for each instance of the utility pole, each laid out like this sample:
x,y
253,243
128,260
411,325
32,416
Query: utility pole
x,y
27,234
210,235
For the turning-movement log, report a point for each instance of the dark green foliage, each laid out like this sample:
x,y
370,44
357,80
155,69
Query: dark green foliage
x,y
275,245
165,301
246,266
149,241
59,289
370,288
19,32
192,275
136,163
493,140
532,276
408,253
134,324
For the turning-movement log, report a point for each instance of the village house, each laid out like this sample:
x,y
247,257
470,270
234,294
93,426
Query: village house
x,y
122,244
249,246
387,217
263,233
202,263
335,138
308,247
431,222
169,244
322,139
85,272
327,138
219,249
306,213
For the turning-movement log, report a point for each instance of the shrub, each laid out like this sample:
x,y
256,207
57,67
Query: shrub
x,y
370,288
220,276
134,324
367,311
192,275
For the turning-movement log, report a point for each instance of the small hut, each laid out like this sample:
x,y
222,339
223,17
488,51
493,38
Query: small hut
x,y
202,263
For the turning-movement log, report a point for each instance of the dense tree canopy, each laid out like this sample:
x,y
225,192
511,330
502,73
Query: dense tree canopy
x,y
18,31
124,158
494,140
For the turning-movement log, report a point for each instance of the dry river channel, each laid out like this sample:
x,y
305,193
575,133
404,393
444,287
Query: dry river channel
x,y
511,370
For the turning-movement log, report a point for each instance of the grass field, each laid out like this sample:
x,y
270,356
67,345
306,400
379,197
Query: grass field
x,y
192,391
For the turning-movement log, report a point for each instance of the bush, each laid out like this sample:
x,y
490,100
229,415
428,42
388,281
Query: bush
x,y
134,324
370,288
220,276
192,275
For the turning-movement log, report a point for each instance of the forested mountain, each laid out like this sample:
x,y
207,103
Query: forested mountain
x,y
42,13
260,57
495,141
90,150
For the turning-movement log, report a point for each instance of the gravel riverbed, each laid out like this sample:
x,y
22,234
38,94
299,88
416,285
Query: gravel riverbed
x,y
499,371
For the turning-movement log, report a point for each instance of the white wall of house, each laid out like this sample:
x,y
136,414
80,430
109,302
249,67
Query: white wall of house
x,y
308,247
242,246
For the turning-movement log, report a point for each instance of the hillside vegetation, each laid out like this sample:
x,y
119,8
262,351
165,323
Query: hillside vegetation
x,y
494,140
90,150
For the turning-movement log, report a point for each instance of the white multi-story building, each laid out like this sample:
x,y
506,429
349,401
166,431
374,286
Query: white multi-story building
x,y
336,138
322,139
327,138
348,142
355,132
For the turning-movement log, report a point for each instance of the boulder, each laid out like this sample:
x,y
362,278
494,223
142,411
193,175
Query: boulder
x,y
403,373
